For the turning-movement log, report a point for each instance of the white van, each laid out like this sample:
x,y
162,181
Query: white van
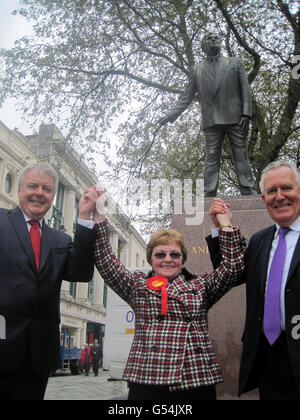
x,y
119,332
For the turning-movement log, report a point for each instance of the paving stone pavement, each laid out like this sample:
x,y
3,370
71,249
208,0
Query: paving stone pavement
x,y
80,387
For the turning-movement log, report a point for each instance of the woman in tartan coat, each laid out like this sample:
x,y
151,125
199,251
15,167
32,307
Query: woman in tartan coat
x,y
172,356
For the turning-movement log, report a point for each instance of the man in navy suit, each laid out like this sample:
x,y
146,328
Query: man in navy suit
x,y
221,86
272,363
31,278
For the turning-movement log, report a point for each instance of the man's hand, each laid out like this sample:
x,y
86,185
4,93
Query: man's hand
x,y
219,212
163,121
244,123
100,212
87,203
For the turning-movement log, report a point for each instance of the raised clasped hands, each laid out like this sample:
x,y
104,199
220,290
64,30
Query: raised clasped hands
x,y
87,203
220,212
93,203
101,205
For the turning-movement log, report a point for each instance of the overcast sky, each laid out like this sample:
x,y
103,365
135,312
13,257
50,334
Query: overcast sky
x,y
12,28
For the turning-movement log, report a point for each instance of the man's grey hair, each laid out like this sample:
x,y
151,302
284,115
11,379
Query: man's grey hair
x,y
39,167
278,164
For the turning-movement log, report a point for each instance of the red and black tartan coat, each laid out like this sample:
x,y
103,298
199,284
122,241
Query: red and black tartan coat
x,y
173,350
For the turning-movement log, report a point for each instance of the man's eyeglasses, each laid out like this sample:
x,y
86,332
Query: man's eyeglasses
x,y
174,255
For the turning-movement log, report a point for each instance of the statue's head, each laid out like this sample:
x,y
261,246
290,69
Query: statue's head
x,y
211,44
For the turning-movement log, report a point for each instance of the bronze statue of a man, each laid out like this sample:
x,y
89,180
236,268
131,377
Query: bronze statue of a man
x,y
222,88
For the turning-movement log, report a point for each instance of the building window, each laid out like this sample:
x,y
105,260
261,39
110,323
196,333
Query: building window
x,y
8,184
91,290
76,214
58,207
137,260
105,295
73,290
119,250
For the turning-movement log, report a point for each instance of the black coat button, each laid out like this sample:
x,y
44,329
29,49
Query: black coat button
x,y
199,349
153,348
160,317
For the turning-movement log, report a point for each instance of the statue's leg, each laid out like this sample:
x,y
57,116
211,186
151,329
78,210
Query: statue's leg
x,y
214,140
238,144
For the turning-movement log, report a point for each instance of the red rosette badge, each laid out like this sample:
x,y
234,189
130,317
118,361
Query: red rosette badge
x,y
160,283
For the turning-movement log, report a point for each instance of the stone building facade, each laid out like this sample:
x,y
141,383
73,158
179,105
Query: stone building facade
x,y
83,306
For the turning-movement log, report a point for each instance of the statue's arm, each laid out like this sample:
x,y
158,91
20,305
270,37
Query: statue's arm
x,y
184,101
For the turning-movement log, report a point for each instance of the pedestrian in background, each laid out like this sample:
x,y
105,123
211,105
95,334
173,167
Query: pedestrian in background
x,y
96,352
86,359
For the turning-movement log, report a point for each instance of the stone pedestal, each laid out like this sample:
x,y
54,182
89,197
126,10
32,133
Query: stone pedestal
x,y
226,319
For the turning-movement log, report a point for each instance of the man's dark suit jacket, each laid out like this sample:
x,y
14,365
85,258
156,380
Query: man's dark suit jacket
x,y
29,300
224,99
255,276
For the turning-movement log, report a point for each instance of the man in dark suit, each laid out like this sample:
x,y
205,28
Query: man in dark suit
x,y
271,339
222,88
97,355
34,260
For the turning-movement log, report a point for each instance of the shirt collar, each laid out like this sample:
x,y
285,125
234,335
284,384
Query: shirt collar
x,y
213,58
294,226
27,219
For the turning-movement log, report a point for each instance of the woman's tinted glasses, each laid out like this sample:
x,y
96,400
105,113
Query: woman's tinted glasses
x,y
174,255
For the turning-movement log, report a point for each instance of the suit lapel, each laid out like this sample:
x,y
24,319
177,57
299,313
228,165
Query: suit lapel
x,y
265,255
47,241
178,286
211,80
18,222
221,70
295,260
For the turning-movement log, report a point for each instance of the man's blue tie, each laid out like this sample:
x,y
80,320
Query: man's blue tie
x,y
272,316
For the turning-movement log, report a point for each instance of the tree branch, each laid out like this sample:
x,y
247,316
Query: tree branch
x,y
290,18
256,57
